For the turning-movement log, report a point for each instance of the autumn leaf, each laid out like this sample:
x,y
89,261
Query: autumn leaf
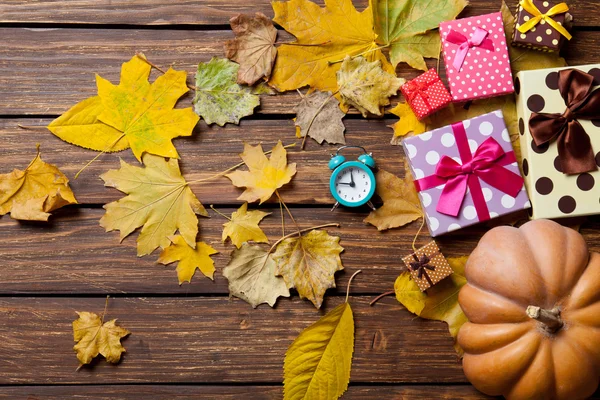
x,y
317,364
243,227
219,99
137,114
401,203
324,37
253,47
365,85
319,116
440,302
264,176
251,276
93,337
308,263
408,121
189,258
33,193
158,199
404,25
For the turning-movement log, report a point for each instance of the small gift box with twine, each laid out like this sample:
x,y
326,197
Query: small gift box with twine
x,y
427,266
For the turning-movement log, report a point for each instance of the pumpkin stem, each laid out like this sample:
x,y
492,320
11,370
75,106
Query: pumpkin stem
x,y
550,319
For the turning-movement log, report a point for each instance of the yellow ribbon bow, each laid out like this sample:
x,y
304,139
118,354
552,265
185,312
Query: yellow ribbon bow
x,y
538,16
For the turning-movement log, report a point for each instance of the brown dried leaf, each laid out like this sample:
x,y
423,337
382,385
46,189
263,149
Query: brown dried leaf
x,y
319,116
253,47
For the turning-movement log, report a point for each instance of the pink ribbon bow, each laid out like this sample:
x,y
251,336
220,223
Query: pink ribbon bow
x,y
486,164
478,39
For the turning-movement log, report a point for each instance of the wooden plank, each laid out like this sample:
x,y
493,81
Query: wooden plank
x,y
46,71
216,12
189,392
74,255
209,151
214,340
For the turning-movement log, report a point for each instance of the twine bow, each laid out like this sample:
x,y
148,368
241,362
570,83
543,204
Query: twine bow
x,y
538,16
478,39
583,102
421,265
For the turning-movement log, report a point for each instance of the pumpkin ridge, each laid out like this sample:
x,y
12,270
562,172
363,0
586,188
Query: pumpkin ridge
x,y
512,339
512,301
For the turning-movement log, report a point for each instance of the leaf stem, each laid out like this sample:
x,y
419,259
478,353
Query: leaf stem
x,y
220,213
305,44
349,282
282,218
98,155
289,212
32,128
381,296
334,224
360,54
105,308
315,117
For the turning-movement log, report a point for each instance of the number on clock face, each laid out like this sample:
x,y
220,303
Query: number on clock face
x,y
352,184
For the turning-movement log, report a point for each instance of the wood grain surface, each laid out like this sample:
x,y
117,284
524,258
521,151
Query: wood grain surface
x,y
192,341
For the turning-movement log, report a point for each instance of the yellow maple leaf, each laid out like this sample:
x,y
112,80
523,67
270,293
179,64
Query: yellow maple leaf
x,y
441,301
264,176
133,114
94,337
251,276
324,37
189,259
243,227
401,203
408,121
365,85
308,263
317,364
158,199
33,193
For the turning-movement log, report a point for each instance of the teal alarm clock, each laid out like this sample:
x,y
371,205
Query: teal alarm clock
x,y
352,183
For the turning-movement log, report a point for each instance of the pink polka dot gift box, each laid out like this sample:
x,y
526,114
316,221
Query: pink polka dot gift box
x,y
559,125
476,57
466,173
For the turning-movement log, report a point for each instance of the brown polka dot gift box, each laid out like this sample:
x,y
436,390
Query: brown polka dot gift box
x,y
542,25
427,266
559,126
466,173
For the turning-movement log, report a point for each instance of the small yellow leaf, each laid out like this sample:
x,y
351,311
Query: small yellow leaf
x,y
33,193
401,204
94,337
317,364
189,259
264,176
365,85
308,263
158,199
408,121
324,36
440,302
251,276
243,227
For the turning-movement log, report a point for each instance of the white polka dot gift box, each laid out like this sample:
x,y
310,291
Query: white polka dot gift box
x,y
427,266
476,57
559,126
466,173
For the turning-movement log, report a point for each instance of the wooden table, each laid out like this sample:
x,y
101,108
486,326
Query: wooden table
x,y
193,341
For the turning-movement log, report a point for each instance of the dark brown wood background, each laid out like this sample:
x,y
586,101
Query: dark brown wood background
x,y
193,341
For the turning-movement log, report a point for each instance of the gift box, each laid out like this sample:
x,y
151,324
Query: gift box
x,y
476,57
466,173
542,25
427,266
426,94
560,139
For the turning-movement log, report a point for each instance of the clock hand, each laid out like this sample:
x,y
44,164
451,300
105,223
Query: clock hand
x,y
351,179
345,183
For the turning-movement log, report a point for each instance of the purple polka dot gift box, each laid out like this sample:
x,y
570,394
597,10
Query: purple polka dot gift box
x,y
476,57
466,173
559,124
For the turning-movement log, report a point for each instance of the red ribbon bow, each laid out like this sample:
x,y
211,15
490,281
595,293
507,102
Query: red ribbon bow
x,y
418,87
478,39
583,102
486,164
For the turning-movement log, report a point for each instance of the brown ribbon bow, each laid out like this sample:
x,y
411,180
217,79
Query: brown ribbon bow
x,y
574,147
422,265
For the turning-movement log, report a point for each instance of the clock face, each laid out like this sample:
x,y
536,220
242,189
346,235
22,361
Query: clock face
x,y
353,183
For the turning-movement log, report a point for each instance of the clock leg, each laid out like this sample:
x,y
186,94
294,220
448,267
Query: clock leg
x,y
335,206
371,205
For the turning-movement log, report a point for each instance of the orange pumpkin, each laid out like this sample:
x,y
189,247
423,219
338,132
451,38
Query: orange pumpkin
x,y
533,302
